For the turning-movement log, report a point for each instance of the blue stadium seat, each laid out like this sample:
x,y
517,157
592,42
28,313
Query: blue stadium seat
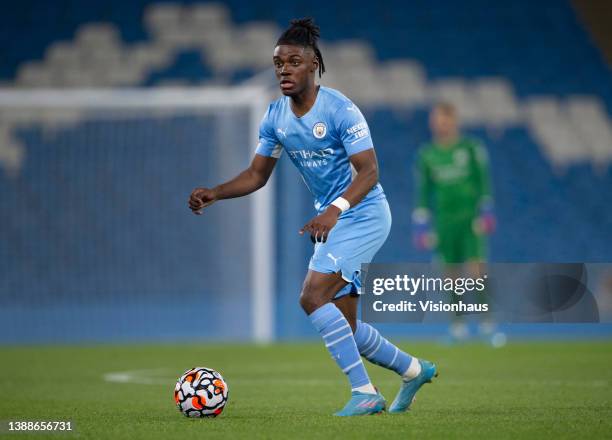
x,y
69,238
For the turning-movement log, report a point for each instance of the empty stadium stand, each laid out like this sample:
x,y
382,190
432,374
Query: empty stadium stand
x,y
527,79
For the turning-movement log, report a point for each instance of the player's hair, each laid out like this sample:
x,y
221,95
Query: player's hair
x,y
304,32
447,107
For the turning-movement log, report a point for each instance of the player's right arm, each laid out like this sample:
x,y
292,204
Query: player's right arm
x,y
248,181
423,182
422,235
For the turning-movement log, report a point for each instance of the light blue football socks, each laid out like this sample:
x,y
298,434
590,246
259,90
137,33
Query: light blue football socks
x,y
347,348
379,351
338,336
414,372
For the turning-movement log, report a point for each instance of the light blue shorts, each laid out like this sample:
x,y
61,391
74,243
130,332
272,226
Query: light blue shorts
x,y
359,234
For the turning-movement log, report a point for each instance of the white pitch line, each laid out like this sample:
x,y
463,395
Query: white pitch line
x,y
143,377
164,377
153,377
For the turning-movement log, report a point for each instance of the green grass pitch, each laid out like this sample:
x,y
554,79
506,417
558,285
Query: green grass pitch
x,y
524,390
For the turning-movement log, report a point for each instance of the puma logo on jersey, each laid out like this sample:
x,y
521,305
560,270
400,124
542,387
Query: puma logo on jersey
x,y
352,108
281,131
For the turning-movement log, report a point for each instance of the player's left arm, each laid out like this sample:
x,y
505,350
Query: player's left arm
x,y
351,129
486,222
366,167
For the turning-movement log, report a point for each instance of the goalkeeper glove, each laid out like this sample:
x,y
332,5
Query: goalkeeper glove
x,y
422,236
486,222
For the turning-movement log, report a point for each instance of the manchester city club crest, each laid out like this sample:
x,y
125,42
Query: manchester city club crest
x,y
319,130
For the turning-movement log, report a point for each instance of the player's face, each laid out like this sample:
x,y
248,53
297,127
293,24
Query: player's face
x,y
294,67
442,123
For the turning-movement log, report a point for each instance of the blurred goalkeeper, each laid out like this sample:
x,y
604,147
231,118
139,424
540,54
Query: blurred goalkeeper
x,y
454,207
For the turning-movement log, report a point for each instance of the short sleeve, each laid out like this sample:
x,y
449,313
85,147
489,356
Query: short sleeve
x,y
268,145
352,129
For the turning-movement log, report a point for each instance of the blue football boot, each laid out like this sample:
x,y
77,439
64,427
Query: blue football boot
x,y
362,404
409,388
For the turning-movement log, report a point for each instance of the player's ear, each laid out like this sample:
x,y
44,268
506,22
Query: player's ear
x,y
315,64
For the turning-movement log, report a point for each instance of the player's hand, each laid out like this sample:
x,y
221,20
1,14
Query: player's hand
x,y
423,238
320,226
485,223
201,198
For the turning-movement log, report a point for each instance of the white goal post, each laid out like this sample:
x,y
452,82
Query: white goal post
x,y
15,103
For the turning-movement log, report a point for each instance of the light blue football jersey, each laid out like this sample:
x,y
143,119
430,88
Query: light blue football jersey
x,y
319,143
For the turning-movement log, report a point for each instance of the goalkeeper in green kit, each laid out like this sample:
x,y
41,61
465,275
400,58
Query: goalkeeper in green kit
x,y
454,206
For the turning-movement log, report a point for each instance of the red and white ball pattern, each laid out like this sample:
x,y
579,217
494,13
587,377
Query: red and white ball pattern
x,y
201,392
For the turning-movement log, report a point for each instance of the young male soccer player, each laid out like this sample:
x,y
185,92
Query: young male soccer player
x,y
328,140
453,194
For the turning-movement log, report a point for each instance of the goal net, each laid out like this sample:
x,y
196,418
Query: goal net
x,y
97,239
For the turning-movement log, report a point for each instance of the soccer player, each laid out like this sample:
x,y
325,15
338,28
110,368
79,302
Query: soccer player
x,y
328,140
454,207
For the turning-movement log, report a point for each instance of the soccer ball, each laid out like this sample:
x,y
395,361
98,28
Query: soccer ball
x,y
200,392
